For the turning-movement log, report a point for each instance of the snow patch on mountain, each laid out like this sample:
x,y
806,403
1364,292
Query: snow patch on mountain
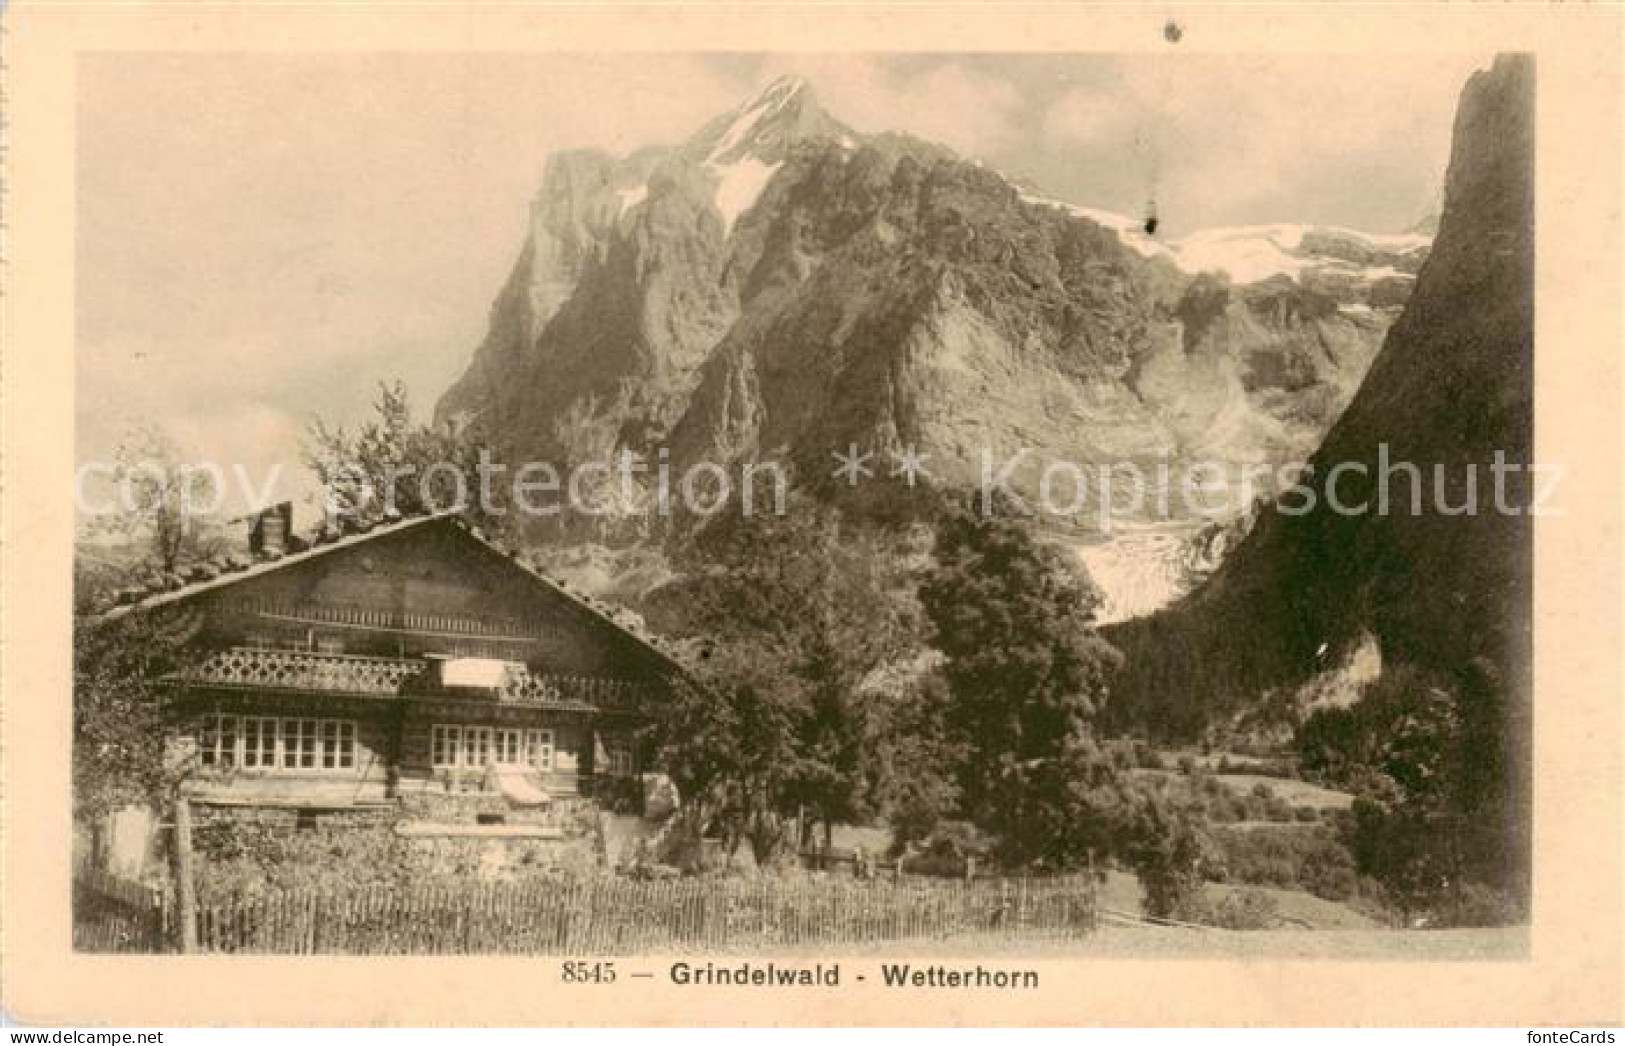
x,y
1250,253
755,114
1400,241
1246,254
739,185
752,146
1129,231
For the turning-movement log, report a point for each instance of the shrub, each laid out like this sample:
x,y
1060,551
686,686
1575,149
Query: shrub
x,y
1285,769
1278,810
1479,905
622,795
1146,757
1329,873
1166,852
1312,859
1244,910
948,850
1305,814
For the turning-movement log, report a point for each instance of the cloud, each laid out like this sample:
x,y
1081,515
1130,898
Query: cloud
x,y
1227,139
944,100
298,227
1085,116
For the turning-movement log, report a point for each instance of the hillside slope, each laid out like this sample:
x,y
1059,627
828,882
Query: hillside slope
x,y
1450,388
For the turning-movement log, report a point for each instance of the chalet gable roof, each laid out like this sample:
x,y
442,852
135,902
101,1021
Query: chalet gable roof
x,y
216,576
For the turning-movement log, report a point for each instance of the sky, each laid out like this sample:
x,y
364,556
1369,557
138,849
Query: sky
x,y
263,238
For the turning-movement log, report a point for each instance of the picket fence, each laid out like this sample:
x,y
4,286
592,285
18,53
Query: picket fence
x,y
111,914
611,915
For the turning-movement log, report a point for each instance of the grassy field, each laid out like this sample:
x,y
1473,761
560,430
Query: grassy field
x,y
1298,793
1293,791
1304,911
1333,932
1329,931
1506,944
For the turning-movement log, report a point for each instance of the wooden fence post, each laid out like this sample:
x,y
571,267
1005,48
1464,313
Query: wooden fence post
x,y
185,892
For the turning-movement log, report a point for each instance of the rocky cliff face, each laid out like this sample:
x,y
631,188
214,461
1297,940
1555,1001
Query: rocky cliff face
x,y
1441,583
781,286
1434,584
623,286
1450,389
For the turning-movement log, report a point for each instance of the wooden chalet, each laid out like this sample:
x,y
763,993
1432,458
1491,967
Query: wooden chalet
x,y
409,657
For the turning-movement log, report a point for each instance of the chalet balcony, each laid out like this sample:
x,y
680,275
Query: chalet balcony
x,y
257,669
304,671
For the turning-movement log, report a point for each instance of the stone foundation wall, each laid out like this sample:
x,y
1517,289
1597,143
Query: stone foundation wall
x,y
322,843
504,859
293,819
572,816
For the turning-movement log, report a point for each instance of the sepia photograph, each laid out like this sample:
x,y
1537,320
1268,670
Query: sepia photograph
x,y
682,523
1047,520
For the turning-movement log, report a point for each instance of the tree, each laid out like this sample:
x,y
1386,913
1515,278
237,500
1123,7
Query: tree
x,y
1025,670
915,786
391,463
123,745
167,506
1419,750
119,721
1164,847
728,741
800,609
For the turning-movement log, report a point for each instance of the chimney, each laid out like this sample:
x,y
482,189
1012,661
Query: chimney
x,y
268,530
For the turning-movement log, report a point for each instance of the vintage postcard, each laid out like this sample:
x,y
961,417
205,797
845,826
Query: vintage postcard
x,y
812,514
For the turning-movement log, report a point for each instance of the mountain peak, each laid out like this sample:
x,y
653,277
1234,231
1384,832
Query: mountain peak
x,y
786,87
763,127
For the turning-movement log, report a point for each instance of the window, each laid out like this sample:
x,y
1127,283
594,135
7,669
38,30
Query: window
x,y
477,746
230,733
299,743
217,742
620,761
329,645
277,744
259,743
539,749
446,743
338,744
